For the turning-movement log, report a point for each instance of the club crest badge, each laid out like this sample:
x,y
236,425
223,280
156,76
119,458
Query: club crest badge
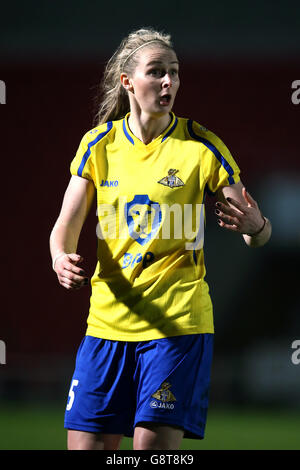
x,y
143,217
171,180
164,394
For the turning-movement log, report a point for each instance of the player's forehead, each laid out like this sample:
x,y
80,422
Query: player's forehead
x,y
156,55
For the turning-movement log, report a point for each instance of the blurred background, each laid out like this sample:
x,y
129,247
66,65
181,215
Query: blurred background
x,y
238,61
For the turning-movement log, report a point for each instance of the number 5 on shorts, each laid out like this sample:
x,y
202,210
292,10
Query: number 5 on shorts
x,y
72,394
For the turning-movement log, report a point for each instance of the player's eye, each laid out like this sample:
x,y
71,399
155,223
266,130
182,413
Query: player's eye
x,y
155,72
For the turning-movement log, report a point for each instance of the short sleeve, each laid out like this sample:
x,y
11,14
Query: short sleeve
x,y
83,162
217,165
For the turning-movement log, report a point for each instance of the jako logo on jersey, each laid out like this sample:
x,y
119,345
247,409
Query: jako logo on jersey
x,y
109,183
143,218
164,395
171,180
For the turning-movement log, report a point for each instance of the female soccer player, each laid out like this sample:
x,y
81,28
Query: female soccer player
x,y
143,367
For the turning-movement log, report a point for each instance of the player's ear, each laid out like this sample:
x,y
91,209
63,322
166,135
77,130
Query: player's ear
x,y
126,82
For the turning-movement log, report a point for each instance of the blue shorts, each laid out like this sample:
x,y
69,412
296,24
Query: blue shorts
x,y
117,384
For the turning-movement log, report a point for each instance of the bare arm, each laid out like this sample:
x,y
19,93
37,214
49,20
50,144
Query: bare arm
x,y
66,231
238,211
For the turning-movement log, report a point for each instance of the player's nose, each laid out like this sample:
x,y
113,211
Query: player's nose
x,y
167,81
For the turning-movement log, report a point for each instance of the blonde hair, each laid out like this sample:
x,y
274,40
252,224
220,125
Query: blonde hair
x,y
113,98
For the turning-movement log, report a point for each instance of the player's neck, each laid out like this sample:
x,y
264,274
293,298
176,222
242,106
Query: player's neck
x,y
145,127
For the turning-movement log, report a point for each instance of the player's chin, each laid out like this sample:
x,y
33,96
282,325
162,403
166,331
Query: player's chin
x,y
163,110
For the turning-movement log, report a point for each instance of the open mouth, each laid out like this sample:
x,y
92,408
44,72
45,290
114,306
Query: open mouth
x,y
165,99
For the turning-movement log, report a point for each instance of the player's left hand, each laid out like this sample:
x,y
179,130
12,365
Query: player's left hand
x,y
242,217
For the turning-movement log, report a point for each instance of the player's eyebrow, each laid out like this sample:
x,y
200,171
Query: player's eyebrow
x,y
154,62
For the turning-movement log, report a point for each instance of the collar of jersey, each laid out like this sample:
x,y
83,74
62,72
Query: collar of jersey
x,y
158,140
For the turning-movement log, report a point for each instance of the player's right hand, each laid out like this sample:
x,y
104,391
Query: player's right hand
x,y
69,275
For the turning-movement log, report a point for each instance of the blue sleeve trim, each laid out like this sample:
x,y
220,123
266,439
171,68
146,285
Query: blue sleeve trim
x,y
90,144
214,150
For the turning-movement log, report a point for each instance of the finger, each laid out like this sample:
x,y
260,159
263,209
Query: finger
x,y
73,277
248,198
237,204
74,269
69,287
228,219
68,283
233,228
74,257
226,209
66,286
69,264
73,284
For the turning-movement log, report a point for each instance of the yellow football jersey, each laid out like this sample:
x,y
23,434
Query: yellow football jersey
x,y
149,279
